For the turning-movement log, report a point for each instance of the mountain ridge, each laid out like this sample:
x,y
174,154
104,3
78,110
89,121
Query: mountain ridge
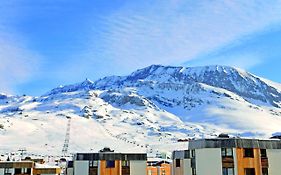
x,y
150,109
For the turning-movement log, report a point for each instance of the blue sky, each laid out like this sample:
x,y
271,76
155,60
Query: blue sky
x,y
46,43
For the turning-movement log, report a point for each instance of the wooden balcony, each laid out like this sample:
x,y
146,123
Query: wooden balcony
x,y
227,162
125,170
93,171
264,162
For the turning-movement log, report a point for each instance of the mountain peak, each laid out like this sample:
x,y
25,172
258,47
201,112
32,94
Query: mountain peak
x,y
85,85
225,77
87,82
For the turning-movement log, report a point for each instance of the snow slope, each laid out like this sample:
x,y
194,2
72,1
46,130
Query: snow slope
x,y
146,111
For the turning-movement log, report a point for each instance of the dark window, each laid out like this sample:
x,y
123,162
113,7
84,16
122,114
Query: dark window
x,y
193,163
193,171
28,170
80,157
193,153
226,152
17,170
263,153
110,164
178,163
264,171
228,171
250,171
248,152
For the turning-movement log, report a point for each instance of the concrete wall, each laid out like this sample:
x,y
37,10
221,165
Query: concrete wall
x,y
184,169
187,167
137,167
235,161
69,171
274,161
177,170
208,161
81,167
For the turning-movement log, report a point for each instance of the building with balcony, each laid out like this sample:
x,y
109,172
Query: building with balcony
x,y
158,166
16,168
107,162
228,156
27,168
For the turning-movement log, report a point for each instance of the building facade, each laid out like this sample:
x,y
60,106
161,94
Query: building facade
x,y
12,168
107,163
27,168
161,167
229,156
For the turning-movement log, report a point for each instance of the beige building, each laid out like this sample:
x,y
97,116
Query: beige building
x,y
27,168
107,162
12,168
229,156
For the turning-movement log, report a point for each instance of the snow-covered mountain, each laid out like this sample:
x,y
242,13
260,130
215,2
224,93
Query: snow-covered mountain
x,y
148,110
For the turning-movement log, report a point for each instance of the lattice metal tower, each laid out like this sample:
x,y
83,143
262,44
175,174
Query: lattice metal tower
x,y
67,137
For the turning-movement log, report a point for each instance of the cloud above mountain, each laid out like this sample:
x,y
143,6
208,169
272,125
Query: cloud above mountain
x,y
172,32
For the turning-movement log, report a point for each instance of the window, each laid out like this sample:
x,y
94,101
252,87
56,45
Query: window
x,y
80,157
264,171
125,163
25,171
178,163
193,153
17,170
93,163
250,171
7,171
227,152
193,171
110,164
263,153
163,172
228,171
248,152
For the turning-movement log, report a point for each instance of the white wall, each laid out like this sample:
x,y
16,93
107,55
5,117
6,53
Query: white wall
x,y
81,167
208,161
138,167
187,167
274,161
235,161
69,171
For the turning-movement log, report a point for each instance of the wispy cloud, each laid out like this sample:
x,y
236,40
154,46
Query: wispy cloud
x,y
239,60
172,32
17,63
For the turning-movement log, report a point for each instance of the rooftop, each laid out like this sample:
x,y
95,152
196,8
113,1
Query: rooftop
x,y
234,143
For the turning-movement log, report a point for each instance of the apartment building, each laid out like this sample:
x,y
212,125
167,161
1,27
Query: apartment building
x,y
228,156
107,162
156,166
27,168
13,168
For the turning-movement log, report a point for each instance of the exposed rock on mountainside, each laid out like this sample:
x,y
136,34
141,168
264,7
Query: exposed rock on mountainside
x,y
148,110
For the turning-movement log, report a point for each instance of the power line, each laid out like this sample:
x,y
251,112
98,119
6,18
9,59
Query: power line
x,y
67,137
